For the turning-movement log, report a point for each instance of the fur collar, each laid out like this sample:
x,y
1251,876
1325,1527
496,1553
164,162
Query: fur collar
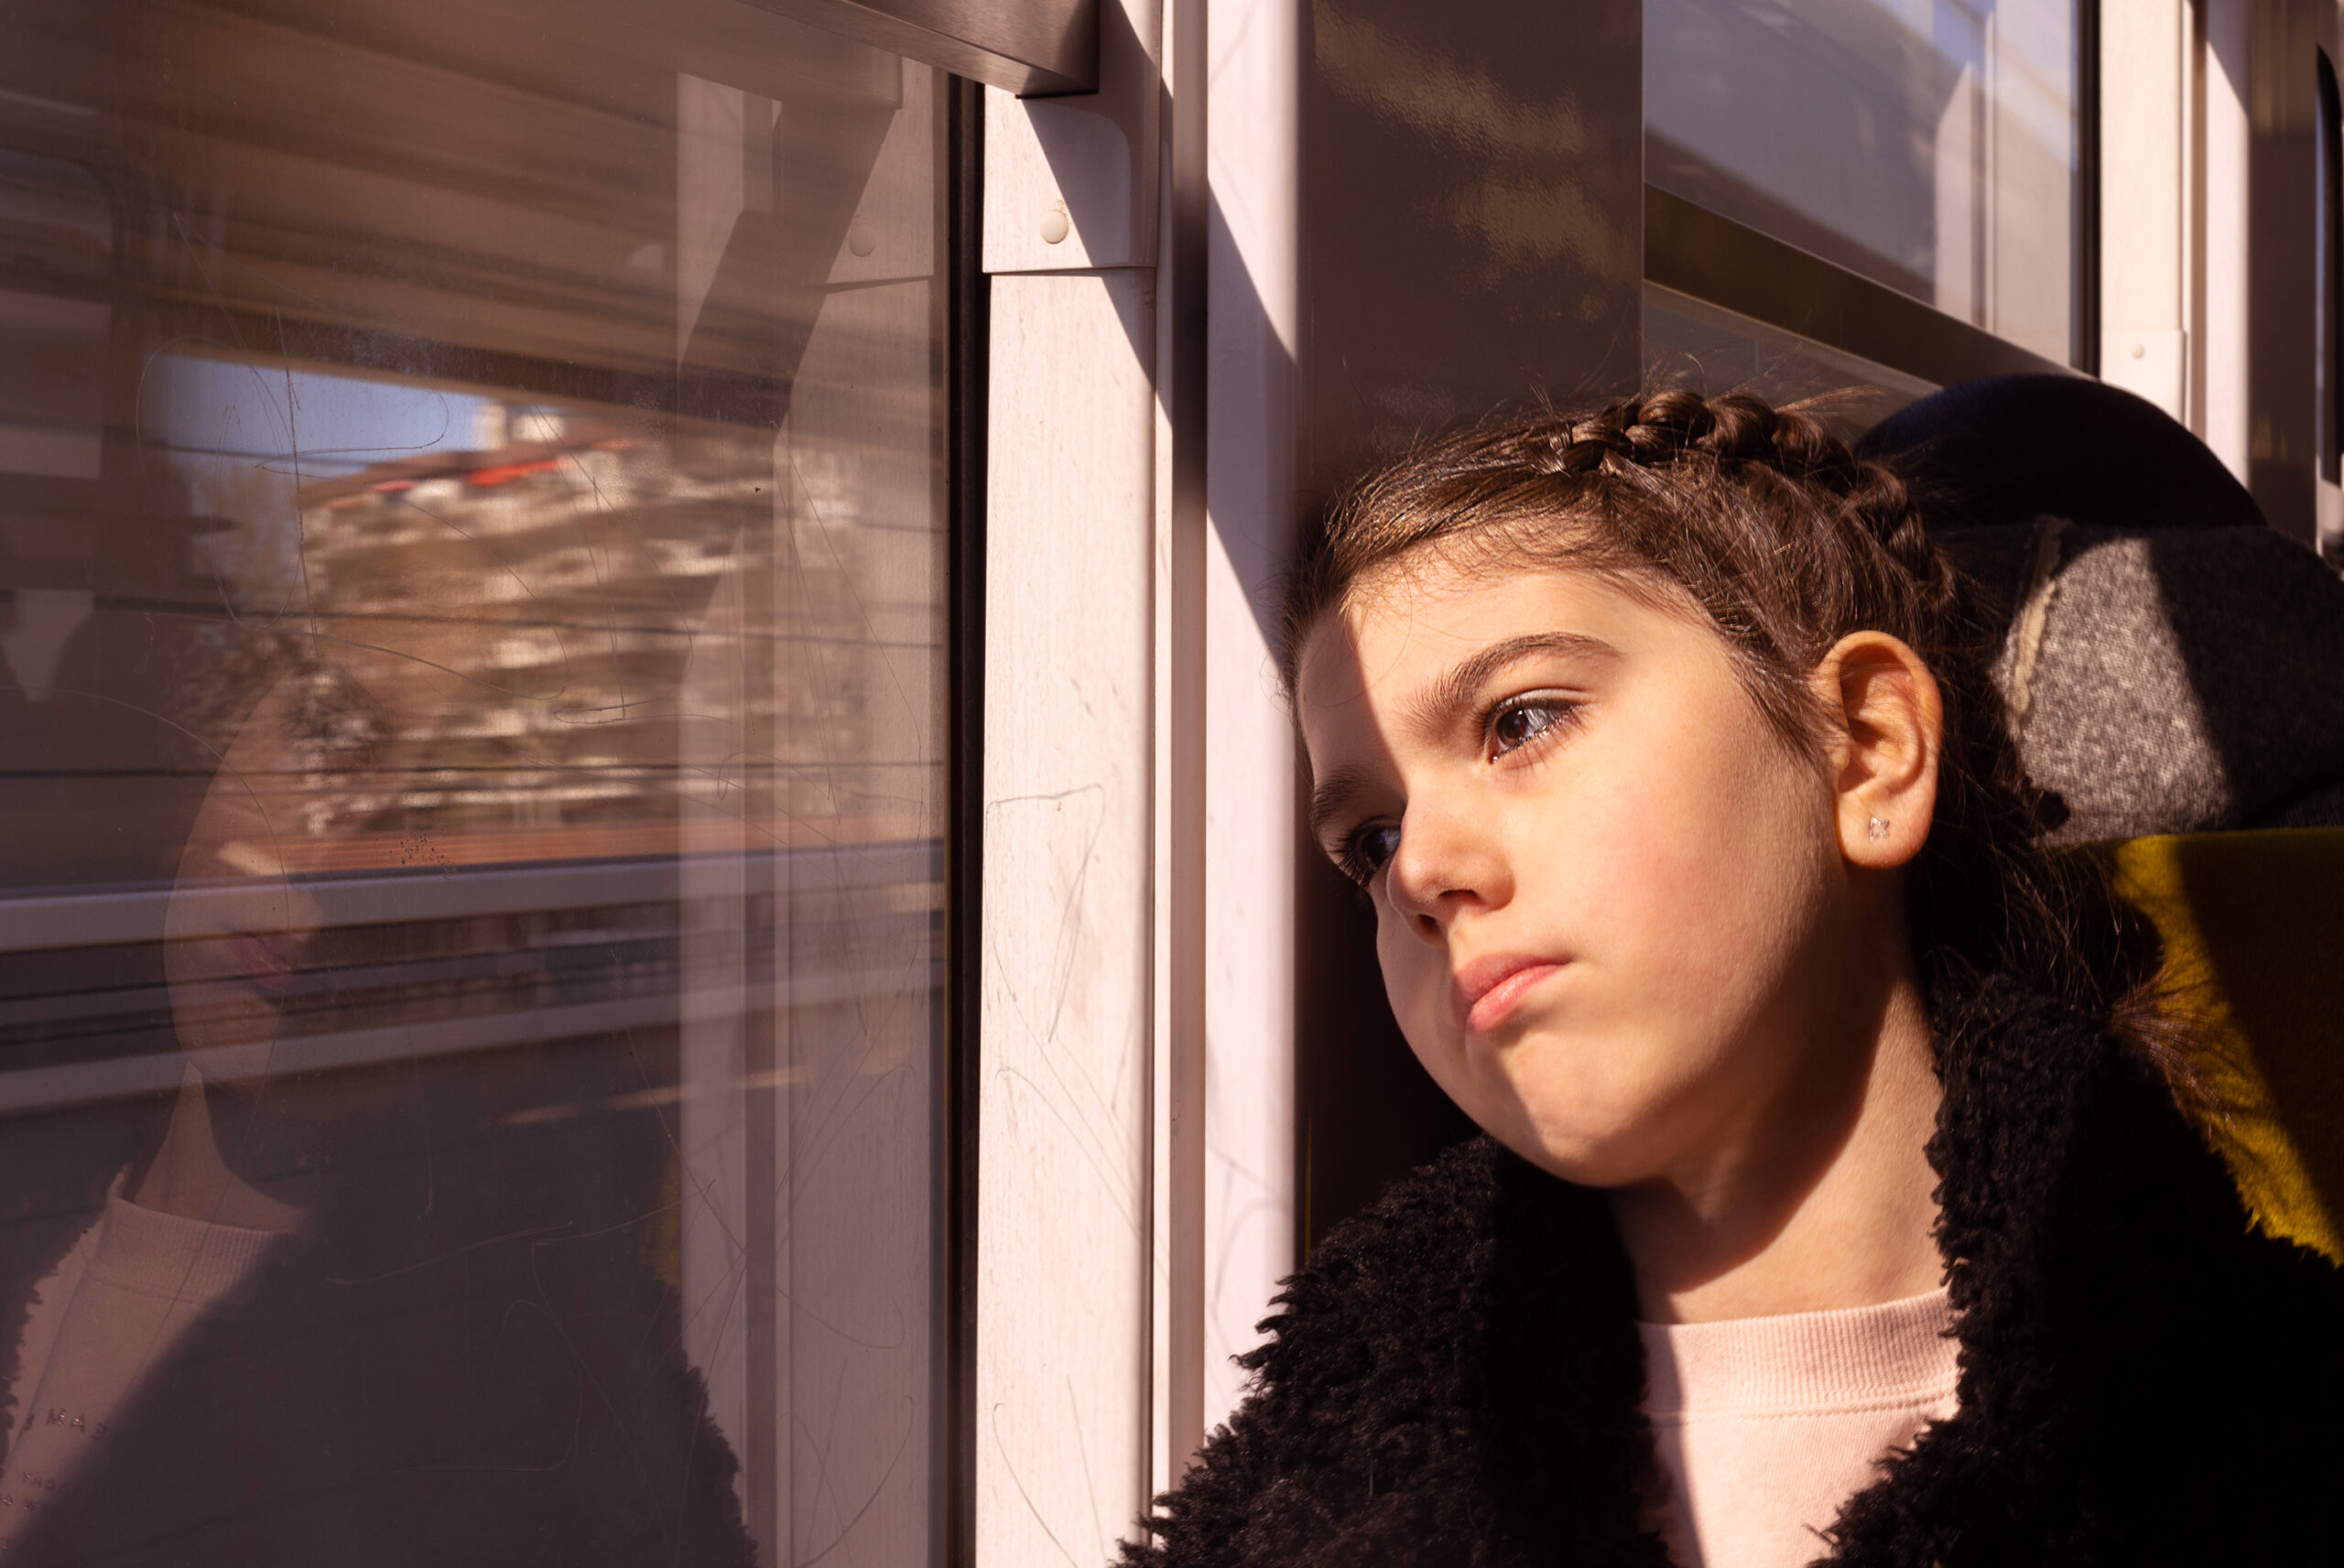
x,y
1456,1378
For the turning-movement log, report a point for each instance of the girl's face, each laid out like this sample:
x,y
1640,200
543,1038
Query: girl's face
x,y
250,958
1613,917
238,929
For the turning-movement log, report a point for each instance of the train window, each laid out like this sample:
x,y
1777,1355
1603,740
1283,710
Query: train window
x,y
1930,146
1719,350
473,515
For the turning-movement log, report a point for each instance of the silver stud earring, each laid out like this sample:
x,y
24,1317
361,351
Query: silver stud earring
x,y
1876,829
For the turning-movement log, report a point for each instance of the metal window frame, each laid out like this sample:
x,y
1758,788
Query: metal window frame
x,y
1714,259
2327,350
954,1405
2085,322
1721,262
1032,48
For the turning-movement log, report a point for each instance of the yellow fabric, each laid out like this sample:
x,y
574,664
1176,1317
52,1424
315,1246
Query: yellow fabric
x,y
2253,928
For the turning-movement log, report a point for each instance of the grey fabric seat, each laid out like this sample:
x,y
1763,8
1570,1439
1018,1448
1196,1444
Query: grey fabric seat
x,y
2169,680
2170,664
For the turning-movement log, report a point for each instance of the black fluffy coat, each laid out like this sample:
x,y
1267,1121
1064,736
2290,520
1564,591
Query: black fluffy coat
x,y
1456,1378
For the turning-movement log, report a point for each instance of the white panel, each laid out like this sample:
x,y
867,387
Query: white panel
x,y
2143,112
1070,182
1062,1228
2149,362
2226,416
893,233
1249,783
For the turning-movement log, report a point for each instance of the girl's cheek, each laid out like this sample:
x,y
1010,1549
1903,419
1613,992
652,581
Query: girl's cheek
x,y
1415,980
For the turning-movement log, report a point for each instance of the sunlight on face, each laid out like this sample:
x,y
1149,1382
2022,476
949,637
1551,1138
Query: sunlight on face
x,y
1609,897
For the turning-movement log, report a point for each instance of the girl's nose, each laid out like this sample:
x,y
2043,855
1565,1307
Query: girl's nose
x,y
1446,862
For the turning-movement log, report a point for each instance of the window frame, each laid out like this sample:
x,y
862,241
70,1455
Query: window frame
x,y
1724,263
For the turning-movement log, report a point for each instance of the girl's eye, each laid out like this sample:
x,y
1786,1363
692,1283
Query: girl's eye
x,y
1367,848
1511,729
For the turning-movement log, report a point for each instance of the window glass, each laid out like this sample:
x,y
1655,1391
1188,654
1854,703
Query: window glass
x,y
1691,342
1928,144
471,696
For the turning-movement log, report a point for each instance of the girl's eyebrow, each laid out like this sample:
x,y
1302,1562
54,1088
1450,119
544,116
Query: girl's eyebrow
x,y
1438,707
1333,794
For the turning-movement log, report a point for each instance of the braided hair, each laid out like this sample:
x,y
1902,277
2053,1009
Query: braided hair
x,y
1775,531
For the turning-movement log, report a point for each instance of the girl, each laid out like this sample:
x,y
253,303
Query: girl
x,y
1834,1199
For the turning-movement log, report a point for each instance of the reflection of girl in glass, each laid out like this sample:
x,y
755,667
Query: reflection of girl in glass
x,y
353,1314
1835,1197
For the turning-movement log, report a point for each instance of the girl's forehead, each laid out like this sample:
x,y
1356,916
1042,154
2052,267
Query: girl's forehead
x,y
1403,634
1435,606
1432,598
1394,635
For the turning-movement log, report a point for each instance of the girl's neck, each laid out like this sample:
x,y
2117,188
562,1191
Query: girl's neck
x,y
189,1177
1823,1200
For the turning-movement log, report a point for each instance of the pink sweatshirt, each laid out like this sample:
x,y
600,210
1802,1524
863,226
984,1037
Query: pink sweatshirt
x,y
1766,1425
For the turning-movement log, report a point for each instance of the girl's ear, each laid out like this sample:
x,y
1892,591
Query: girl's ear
x,y
1887,724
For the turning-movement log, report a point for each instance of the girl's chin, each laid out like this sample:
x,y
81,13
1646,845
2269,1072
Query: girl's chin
x,y
222,1057
1552,1129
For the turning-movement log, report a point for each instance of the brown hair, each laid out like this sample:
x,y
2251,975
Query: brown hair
x,y
1785,541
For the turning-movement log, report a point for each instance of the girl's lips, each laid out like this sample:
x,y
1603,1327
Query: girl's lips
x,y
1488,990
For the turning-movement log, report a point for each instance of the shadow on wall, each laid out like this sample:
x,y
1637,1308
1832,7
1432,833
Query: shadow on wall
x,y
1424,299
